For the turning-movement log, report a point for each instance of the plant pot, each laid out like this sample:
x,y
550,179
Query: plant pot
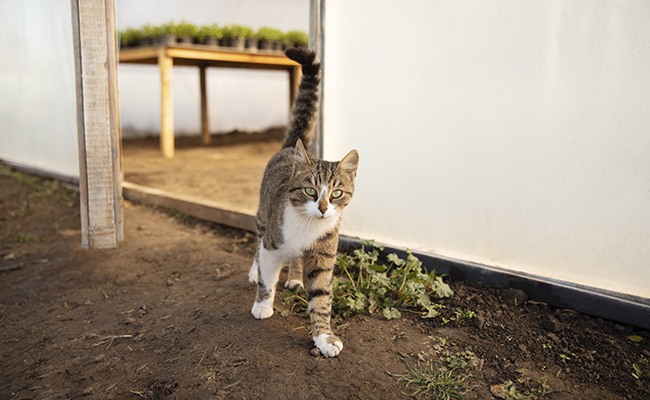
x,y
238,43
277,45
167,40
187,39
265,45
212,41
251,44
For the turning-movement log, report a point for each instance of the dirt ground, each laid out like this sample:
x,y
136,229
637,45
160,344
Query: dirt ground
x,y
166,315
228,172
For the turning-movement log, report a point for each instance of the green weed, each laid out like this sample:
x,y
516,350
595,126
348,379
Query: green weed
x,y
638,375
459,315
366,286
444,378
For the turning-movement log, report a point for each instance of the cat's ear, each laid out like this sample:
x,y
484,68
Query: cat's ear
x,y
300,154
350,163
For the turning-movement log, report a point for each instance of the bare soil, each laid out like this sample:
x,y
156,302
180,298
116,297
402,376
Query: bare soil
x,y
166,315
228,172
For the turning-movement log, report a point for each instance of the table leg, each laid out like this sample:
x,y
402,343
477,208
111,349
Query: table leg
x,y
204,107
166,105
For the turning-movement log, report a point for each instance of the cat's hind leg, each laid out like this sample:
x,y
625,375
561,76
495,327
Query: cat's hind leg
x,y
253,273
269,265
294,276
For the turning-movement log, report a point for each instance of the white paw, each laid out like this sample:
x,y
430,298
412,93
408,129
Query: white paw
x,y
329,345
252,274
261,311
293,283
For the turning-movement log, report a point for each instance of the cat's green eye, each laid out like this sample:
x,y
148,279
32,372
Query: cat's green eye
x,y
336,194
310,191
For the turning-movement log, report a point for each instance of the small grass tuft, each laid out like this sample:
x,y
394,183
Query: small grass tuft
x,y
22,238
444,378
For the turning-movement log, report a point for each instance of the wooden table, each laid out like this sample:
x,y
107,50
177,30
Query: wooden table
x,y
202,57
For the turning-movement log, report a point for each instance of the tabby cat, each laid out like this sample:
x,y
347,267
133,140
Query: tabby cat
x,y
301,202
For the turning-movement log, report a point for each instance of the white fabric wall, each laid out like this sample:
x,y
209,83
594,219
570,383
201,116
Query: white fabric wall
x,y
38,117
508,133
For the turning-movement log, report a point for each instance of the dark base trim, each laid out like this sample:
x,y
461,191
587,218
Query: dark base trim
x,y
618,307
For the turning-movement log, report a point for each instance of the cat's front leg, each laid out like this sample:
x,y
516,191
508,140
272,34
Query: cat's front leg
x,y
318,262
268,273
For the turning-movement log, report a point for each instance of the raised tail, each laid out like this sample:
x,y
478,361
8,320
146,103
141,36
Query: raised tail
x,y
305,109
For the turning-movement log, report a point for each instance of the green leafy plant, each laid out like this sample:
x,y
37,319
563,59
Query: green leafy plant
x,y
297,38
237,31
130,37
269,34
184,29
365,286
168,28
148,31
206,31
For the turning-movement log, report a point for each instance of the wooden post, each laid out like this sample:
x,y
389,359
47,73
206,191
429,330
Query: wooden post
x,y
316,15
116,127
294,81
97,124
205,128
166,104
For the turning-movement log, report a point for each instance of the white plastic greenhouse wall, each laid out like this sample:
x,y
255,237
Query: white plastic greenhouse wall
x,y
505,133
38,120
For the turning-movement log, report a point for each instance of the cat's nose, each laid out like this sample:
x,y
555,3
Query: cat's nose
x,y
322,209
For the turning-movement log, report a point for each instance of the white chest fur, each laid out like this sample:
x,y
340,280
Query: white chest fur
x,y
301,229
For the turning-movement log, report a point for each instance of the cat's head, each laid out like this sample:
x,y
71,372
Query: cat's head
x,y
322,189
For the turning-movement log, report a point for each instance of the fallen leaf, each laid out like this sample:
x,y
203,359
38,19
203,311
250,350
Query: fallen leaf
x,y
498,391
635,338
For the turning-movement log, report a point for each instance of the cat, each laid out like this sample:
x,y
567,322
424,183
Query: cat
x,y
301,204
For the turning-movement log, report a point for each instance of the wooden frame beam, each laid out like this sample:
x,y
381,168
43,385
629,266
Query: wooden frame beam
x,y
316,30
93,24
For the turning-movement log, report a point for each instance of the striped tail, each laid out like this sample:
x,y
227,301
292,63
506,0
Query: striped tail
x,y
305,109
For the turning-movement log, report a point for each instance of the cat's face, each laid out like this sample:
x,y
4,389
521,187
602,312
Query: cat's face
x,y
322,189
